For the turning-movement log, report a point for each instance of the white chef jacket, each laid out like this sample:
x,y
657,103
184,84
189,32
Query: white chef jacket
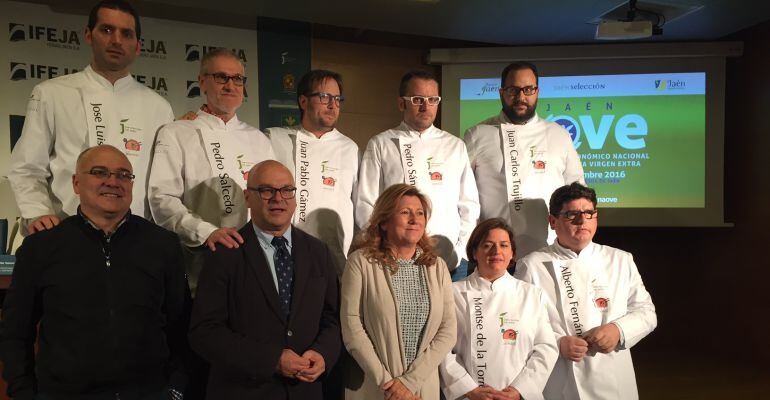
x,y
455,201
183,191
525,363
629,306
538,140
56,132
329,213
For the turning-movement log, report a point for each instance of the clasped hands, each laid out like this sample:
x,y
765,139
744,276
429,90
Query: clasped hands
x,y
489,393
602,339
306,368
395,390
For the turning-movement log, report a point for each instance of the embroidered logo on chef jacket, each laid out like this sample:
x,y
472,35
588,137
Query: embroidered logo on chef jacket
x,y
125,128
509,336
507,332
244,166
130,142
602,303
328,175
436,177
328,181
601,300
132,145
538,162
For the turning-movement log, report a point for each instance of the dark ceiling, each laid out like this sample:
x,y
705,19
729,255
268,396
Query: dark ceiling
x,y
506,22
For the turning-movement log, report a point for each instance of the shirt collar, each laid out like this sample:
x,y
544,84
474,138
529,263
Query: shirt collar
x,y
96,228
310,135
266,238
102,81
585,253
499,284
216,122
406,129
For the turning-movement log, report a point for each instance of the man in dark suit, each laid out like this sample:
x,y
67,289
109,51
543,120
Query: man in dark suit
x,y
266,314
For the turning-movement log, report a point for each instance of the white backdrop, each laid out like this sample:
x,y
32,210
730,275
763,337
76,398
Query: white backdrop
x,y
43,44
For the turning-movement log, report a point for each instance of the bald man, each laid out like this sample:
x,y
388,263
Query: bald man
x,y
266,315
111,289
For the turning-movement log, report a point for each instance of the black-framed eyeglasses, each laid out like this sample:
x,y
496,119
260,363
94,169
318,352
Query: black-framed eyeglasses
x,y
222,78
420,100
572,214
268,192
325,98
513,91
104,174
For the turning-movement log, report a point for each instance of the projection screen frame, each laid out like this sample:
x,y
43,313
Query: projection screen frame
x,y
614,59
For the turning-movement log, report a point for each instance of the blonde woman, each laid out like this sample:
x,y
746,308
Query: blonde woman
x,y
397,315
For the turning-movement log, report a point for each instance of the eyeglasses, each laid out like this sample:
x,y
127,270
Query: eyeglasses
x,y
513,91
325,98
420,100
268,192
572,214
222,78
104,174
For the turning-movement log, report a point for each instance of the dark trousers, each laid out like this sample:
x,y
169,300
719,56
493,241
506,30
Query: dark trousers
x,y
122,395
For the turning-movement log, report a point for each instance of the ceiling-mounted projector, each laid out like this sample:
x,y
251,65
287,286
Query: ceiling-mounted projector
x,y
638,19
622,30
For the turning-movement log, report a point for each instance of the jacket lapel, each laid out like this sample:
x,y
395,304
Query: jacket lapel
x,y
300,254
255,258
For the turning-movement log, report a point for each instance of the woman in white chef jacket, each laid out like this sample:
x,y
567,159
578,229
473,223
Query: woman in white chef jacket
x,y
505,346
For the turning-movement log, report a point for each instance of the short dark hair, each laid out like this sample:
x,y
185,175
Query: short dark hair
x,y
313,78
120,5
570,192
414,74
480,233
516,66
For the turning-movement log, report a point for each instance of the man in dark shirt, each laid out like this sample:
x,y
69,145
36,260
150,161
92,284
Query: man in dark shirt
x,y
108,291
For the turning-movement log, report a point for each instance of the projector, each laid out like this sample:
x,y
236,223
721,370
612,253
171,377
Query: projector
x,y
624,30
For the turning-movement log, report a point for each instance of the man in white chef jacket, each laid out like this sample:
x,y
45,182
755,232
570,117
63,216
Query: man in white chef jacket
x,y
519,159
435,161
200,166
102,104
598,305
324,163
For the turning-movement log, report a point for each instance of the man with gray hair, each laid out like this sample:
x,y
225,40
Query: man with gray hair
x,y
200,166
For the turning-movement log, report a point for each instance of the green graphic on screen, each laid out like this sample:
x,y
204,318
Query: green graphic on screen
x,y
640,137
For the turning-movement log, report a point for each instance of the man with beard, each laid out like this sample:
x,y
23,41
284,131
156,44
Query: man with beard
x,y
519,160
323,161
